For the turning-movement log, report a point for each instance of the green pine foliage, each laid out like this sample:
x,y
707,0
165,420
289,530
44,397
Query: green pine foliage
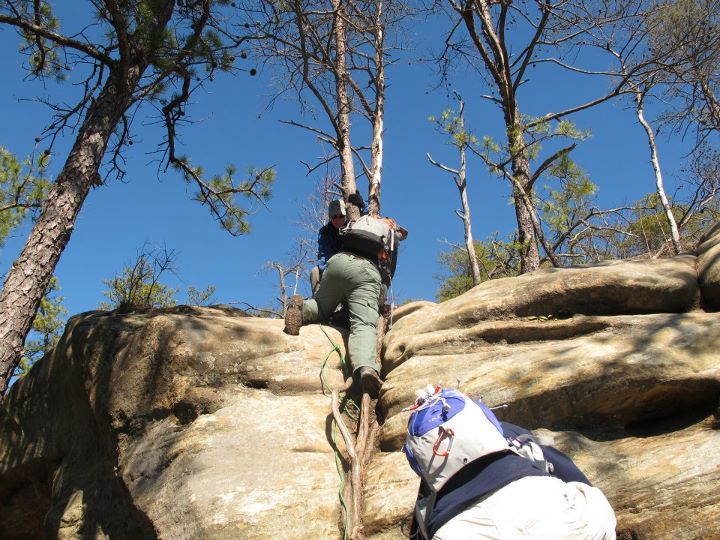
x,y
44,59
136,289
496,258
562,207
204,297
450,123
23,187
541,136
187,44
222,192
139,285
648,230
46,329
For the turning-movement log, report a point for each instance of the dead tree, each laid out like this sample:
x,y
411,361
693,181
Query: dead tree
x,y
455,127
655,161
684,38
656,59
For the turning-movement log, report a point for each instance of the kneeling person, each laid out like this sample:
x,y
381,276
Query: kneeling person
x,y
485,479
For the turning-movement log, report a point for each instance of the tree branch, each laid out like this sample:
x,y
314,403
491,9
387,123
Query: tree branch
x,y
58,39
549,161
441,166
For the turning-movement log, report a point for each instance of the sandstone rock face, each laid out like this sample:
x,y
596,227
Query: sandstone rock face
x,y
575,355
708,254
632,287
632,400
203,423
625,370
193,423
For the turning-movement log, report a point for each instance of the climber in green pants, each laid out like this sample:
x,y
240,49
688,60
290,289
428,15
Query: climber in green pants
x,y
357,280
357,275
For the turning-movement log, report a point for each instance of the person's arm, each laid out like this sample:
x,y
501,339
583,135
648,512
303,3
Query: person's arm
x,y
326,248
562,466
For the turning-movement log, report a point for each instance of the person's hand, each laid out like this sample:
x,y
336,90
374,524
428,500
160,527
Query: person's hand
x,y
357,200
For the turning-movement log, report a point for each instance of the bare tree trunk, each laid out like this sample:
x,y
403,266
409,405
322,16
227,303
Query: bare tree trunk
x,y
376,158
465,216
529,255
31,273
496,58
712,103
659,185
355,527
495,30
281,282
349,185
460,178
461,182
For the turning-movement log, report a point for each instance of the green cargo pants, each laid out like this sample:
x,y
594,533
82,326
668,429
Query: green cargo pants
x,y
357,281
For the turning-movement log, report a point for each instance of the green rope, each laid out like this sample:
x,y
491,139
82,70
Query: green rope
x,y
353,414
341,488
343,363
336,348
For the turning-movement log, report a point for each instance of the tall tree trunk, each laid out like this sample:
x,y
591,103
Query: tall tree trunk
x,y
497,60
460,179
349,186
659,184
712,103
461,183
529,255
467,225
376,158
31,272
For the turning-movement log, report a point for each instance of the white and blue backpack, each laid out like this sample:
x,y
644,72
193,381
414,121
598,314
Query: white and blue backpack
x,y
446,431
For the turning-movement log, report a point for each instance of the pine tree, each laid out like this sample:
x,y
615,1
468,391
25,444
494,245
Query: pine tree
x,y
145,51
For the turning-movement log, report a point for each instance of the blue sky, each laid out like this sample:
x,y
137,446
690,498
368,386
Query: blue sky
x,y
233,126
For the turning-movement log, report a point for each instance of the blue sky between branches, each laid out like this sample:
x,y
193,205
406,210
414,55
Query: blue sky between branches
x,y
233,125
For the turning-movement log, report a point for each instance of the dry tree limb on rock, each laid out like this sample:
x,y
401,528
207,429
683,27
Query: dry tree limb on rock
x,y
360,448
364,428
354,508
368,427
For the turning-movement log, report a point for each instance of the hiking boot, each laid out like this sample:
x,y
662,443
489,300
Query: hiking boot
x,y
293,315
370,381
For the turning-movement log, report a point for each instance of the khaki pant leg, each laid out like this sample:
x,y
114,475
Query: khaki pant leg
x,y
362,300
314,279
330,292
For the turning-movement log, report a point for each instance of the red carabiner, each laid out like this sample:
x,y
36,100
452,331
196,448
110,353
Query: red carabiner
x,y
442,435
